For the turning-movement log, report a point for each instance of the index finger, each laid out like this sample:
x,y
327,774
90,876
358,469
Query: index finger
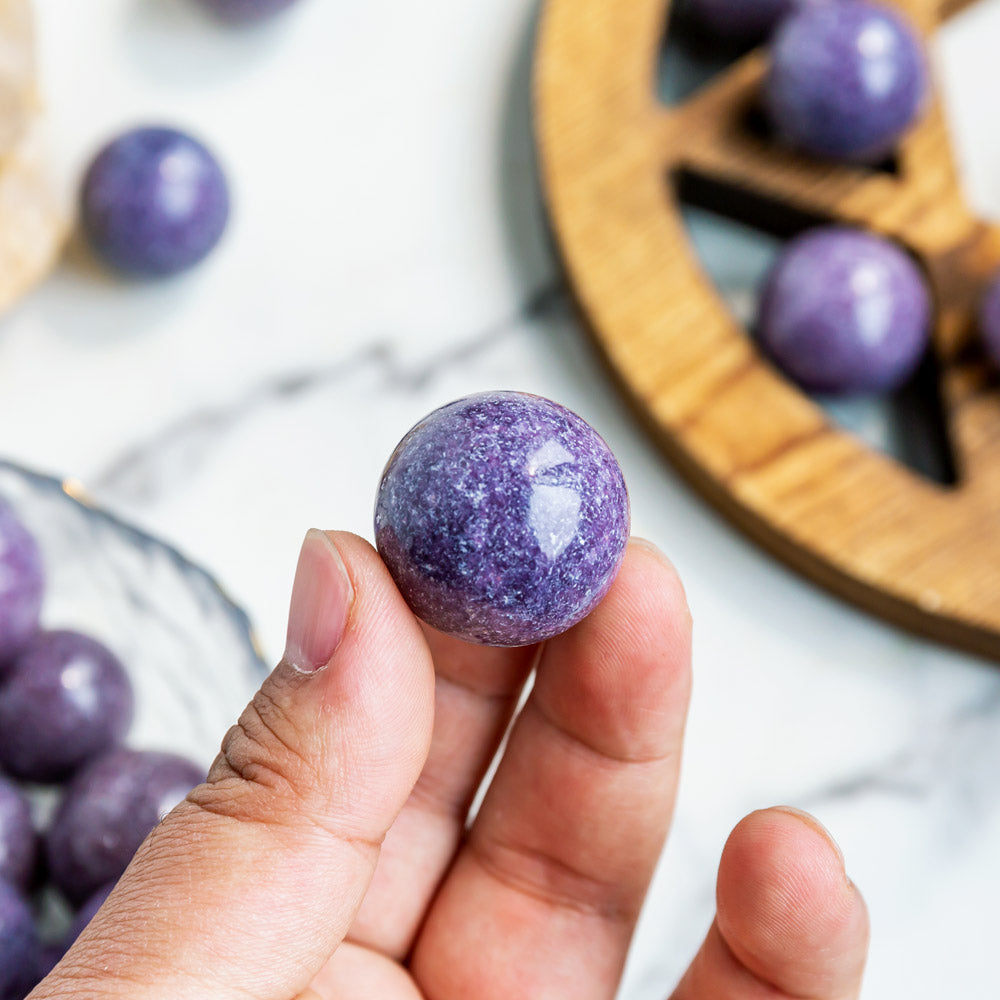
x,y
476,692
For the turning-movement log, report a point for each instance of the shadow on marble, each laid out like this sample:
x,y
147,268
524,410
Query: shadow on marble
x,y
89,304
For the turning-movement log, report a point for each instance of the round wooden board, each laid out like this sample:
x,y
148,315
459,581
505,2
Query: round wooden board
x,y
923,555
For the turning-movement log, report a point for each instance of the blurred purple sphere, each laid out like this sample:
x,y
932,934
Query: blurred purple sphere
x,y
106,813
847,79
19,945
989,321
154,202
740,20
66,700
18,840
844,311
246,11
22,582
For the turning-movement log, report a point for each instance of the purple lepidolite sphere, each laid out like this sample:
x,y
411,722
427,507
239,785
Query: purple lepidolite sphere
x,y
155,202
22,582
846,79
844,311
503,518
989,320
66,700
247,11
18,840
742,20
19,945
107,811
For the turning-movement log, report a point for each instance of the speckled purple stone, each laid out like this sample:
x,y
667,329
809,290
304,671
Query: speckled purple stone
x,y
66,699
503,518
846,79
154,202
989,320
844,311
22,582
247,11
106,813
18,840
19,945
743,20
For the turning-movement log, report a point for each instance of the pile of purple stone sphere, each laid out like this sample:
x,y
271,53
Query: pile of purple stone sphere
x,y
843,311
65,707
154,202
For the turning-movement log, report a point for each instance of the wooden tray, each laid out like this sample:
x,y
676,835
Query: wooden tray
x,y
923,555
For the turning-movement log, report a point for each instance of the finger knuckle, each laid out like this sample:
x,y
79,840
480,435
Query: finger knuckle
x,y
263,764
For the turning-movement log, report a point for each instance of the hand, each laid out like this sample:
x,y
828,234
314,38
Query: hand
x,y
328,856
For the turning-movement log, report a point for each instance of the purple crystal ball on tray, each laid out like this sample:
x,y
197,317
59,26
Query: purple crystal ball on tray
x,y
155,202
846,79
22,582
503,518
739,19
844,311
246,11
989,320
106,813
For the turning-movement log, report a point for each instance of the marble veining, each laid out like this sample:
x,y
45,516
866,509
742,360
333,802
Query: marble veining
x,y
133,472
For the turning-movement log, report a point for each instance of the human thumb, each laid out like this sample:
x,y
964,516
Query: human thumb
x,y
247,888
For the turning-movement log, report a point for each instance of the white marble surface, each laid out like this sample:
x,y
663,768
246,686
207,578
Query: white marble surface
x,y
386,255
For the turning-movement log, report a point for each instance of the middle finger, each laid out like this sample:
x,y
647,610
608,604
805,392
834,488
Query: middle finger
x,y
476,692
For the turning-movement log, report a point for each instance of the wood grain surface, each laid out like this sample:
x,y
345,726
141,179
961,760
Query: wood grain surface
x,y
33,224
924,555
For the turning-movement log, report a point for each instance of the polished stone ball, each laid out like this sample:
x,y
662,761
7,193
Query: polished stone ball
x,y
846,79
844,311
107,811
503,518
155,202
740,20
246,11
22,582
19,944
989,320
18,840
66,700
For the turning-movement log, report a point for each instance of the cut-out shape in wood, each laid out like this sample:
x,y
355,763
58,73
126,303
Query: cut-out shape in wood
x,y
919,553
